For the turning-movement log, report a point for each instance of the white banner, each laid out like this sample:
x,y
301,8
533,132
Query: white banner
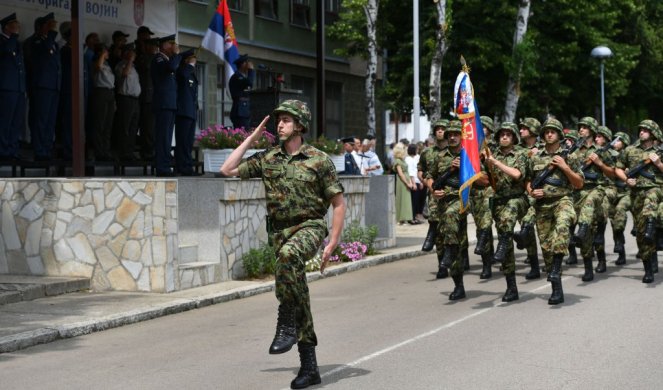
x,y
100,16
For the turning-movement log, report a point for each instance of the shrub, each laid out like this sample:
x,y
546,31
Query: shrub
x,y
260,262
220,137
364,234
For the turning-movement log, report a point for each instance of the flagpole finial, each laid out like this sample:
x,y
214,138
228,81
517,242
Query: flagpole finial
x,y
463,64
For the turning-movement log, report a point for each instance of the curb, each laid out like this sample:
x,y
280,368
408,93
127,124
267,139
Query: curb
x,y
49,334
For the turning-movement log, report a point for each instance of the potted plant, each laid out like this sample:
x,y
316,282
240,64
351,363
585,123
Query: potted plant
x,y
333,148
218,141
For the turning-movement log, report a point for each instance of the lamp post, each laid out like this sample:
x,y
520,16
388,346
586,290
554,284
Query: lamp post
x,y
602,52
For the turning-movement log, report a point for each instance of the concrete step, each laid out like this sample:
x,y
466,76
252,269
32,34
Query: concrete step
x,y
188,253
17,288
198,273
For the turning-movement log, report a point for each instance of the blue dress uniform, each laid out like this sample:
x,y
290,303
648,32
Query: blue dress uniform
x,y
164,105
240,86
44,92
185,122
12,91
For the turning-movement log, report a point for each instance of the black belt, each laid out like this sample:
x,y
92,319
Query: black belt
x,y
504,199
549,200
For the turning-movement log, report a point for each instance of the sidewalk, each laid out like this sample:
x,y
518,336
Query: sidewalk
x,y
29,323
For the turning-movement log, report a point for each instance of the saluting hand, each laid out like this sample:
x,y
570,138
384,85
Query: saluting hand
x,y
257,133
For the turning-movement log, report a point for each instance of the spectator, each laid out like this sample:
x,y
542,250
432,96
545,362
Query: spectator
x,y
187,112
351,167
371,165
115,50
390,158
356,150
102,104
127,89
12,88
404,185
144,57
240,84
418,192
64,110
91,42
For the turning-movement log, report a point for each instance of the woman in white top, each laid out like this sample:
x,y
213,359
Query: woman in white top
x,y
418,192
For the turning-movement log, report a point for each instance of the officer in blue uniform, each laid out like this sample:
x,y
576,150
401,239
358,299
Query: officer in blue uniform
x,y
240,85
351,167
164,101
12,88
187,109
44,87
65,118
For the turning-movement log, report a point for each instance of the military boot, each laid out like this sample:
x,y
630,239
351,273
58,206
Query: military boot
x,y
581,234
654,263
650,231
450,255
621,259
601,266
649,275
534,272
308,374
502,247
286,331
483,235
557,295
589,271
523,235
429,242
618,237
573,258
442,271
511,293
599,236
465,257
659,239
459,289
634,231
486,270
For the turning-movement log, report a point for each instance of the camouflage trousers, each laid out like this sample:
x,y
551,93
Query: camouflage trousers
x,y
480,200
506,213
530,218
554,218
645,205
431,202
589,209
620,204
453,229
295,246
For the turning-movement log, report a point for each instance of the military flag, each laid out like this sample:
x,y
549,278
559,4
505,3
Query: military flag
x,y
472,136
220,38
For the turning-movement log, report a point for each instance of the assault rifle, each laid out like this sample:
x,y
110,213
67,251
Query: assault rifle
x,y
540,179
632,173
603,149
439,183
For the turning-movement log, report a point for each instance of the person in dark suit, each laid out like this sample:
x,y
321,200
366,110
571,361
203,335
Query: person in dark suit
x,y
12,88
44,88
145,52
240,85
65,119
351,167
187,110
164,101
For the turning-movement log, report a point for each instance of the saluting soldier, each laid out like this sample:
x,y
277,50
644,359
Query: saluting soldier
x,y
187,113
240,85
553,202
621,202
300,184
12,88
645,178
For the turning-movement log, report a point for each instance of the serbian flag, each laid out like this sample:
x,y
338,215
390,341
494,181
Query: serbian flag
x,y
220,38
472,136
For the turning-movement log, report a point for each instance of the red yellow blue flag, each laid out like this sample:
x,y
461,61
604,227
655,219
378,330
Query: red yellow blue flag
x,y
472,136
220,38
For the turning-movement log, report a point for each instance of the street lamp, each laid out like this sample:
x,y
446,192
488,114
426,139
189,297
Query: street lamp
x,y
602,52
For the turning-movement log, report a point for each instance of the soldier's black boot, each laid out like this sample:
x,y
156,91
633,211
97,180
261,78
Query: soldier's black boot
x,y
534,272
511,293
286,332
601,266
654,263
634,231
650,231
523,235
581,234
459,289
308,373
555,276
649,275
429,242
618,237
483,235
450,254
502,247
599,236
659,239
589,271
486,270
621,259
465,258
573,258
442,271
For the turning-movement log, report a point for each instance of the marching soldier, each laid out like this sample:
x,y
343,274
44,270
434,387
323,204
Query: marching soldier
x,y
553,201
621,202
644,178
12,88
480,202
603,139
509,203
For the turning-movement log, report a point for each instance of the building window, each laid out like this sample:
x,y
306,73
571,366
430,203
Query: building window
x,y
333,109
237,5
267,8
300,13
332,10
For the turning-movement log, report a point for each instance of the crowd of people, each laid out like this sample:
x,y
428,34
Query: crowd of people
x,y
565,185
135,93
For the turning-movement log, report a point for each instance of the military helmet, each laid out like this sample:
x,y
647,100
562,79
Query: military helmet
x,y
554,124
511,127
455,126
532,124
298,109
626,139
487,122
589,122
652,127
572,135
604,131
439,123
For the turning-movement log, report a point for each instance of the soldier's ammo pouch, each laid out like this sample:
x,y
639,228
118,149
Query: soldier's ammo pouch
x,y
453,182
556,182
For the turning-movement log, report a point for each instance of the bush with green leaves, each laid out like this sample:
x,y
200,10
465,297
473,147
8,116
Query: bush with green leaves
x,y
364,234
260,262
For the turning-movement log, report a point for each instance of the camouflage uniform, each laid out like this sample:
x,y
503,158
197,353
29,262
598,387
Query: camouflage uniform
x,y
645,196
619,196
298,190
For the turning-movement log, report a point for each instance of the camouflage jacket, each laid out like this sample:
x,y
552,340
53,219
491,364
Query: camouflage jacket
x,y
633,155
594,175
298,188
541,160
427,159
505,186
442,164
